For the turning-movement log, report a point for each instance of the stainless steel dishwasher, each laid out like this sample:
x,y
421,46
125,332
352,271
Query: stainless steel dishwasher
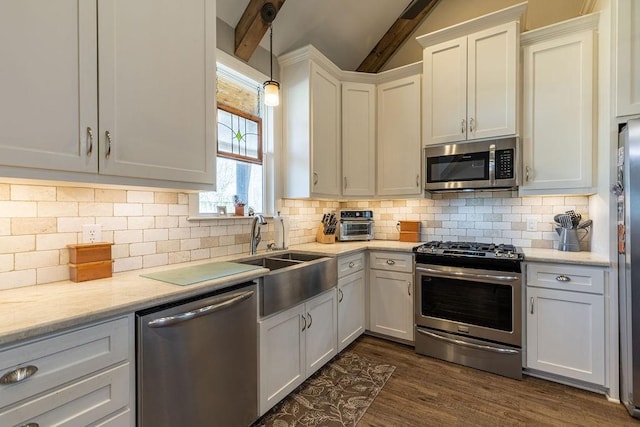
x,y
197,361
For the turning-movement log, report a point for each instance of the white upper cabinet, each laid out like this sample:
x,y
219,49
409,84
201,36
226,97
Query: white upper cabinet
x,y
627,57
399,149
470,77
311,126
558,106
154,91
358,139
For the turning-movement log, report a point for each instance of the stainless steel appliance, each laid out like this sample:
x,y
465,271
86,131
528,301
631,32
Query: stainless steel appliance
x,y
469,305
628,192
355,225
197,361
480,165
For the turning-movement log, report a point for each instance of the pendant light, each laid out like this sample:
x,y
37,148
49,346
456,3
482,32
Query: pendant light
x,y
271,87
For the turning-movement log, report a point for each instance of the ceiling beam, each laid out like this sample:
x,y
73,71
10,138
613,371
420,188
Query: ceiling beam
x,y
251,28
396,35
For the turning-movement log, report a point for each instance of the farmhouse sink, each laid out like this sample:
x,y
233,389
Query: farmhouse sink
x,y
294,277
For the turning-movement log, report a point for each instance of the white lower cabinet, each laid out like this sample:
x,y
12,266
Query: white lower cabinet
x,y
351,300
82,377
391,295
565,327
294,344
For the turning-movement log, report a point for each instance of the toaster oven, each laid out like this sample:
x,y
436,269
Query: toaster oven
x,y
355,225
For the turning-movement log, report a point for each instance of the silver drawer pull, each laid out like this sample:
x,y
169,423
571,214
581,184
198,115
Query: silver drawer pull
x,y
310,320
391,262
341,295
409,288
19,374
351,264
304,320
30,425
531,304
107,136
563,278
89,141
468,344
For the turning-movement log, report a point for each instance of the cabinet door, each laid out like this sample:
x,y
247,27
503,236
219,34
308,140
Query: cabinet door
x,y
282,358
157,89
628,57
325,133
399,148
358,139
491,91
321,330
558,113
565,334
445,92
350,309
391,308
48,85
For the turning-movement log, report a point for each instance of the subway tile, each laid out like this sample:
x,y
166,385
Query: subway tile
x,y
553,201
165,197
197,254
524,209
5,226
155,260
33,193
113,223
55,241
179,233
5,192
127,264
189,244
202,231
542,244
177,257
6,262
127,209
178,210
155,234
523,243
57,209
63,256
17,279
107,236
166,221
227,240
72,224
155,209
127,236
75,194
95,209
52,274
120,251
145,248
532,235
12,209
140,222
183,199
492,217
140,196
20,226
110,196
15,244
165,246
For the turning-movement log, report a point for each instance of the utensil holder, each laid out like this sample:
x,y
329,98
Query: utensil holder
x,y
324,238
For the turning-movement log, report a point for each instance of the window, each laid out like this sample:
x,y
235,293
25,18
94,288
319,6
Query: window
x,y
241,155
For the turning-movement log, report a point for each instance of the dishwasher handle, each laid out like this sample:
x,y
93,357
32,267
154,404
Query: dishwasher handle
x,y
222,303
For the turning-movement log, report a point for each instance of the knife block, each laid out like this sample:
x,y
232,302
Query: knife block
x,y
324,238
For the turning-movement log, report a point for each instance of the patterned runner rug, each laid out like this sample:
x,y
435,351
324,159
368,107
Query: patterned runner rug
x,y
337,395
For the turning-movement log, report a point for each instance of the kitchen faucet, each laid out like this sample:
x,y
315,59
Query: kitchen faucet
x,y
258,220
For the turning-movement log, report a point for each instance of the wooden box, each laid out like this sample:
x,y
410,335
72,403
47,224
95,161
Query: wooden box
x,y
89,252
409,236
409,226
90,270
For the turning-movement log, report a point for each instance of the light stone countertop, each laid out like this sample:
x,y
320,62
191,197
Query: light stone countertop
x,y
37,310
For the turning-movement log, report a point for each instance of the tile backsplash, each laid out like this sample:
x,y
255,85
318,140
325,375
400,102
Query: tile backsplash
x,y
150,228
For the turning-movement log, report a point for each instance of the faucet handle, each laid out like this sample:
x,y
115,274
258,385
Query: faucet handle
x,y
271,246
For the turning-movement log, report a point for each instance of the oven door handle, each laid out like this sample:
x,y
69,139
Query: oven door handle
x,y
461,274
468,344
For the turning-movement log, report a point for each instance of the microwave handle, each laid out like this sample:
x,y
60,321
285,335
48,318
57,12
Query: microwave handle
x,y
492,165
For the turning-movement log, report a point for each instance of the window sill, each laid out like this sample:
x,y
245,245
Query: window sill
x,y
214,217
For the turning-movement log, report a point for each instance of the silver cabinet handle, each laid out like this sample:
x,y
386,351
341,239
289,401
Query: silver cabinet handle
x,y
310,320
315,178
351,264
304,319
409,288
107,135
455,274
89,141
18,374
225,302
30,425
468,344
526,174
345,182
462,123
531,305
391,262
563,278
341,295
418,180
471,123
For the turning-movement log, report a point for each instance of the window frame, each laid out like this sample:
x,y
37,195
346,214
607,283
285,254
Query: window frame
x,y
256,160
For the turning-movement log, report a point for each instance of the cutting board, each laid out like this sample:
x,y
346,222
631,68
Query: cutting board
x,y
200,273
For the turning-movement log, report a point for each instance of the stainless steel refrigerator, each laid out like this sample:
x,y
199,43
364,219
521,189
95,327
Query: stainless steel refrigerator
x,y
628,216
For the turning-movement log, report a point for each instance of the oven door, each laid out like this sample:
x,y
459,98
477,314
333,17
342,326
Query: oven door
x,y
483,304
355,230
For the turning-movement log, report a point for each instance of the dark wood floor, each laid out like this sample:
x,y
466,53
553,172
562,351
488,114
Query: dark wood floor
x,y
428,392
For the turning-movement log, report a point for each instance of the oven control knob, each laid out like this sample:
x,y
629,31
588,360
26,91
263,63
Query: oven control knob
x,y
498,254
511,255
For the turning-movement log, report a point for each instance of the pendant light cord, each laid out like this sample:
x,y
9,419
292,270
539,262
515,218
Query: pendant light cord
x,y
271,51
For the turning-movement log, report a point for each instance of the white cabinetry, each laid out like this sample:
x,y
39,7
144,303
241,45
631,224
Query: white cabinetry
x,y
358,139
351,299
294,344
627,57
559,120
311,126
470,85
566,321
399,148
79,377
391,294
152,91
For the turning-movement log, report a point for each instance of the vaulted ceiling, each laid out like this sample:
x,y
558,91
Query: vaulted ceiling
x,y
346,31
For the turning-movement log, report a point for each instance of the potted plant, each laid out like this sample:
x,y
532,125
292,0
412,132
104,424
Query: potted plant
x,y
239,205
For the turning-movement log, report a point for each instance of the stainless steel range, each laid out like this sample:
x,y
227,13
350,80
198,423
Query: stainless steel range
x,y
469,305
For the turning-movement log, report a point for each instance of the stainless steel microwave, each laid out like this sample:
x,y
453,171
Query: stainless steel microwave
x,y
478,165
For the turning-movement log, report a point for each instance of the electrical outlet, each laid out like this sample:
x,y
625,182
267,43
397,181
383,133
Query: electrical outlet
x,y
91,233
532,224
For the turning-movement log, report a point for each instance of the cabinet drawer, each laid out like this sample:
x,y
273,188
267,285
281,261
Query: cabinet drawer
x,y
80,403
350,264
566,277
391,261
63,358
